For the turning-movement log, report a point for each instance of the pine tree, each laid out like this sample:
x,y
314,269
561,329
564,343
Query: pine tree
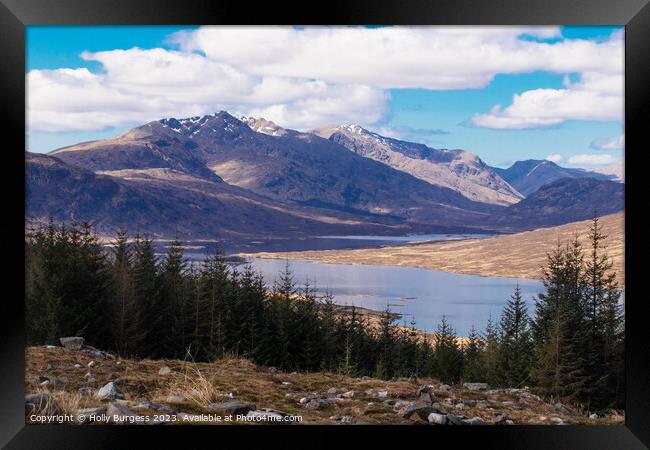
x,y
515,346
173,300
448,355
329,330
386,346
146,293
473,368
491,352
604,321
125,310
559,326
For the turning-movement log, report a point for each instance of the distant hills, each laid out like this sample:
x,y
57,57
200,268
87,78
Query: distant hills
x,y
459,170
218,175
530,175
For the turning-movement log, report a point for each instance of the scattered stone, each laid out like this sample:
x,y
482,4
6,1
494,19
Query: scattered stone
x,y
562,408
389,402
89,378
77,366
336,391
425,394
40,379
164,370
460,405
176,399
473,421
437,408
286,383
91,364
365,377
455,419
233,407
272,370
508,403
346,419
319,403
444,387
88,391
348,394
470,403
54,381
500,419
109,392
41,404
556,419
437,419
369,392
119,413
422,409
382,394
304,400
52,347
476,386
72,343
593,416
509,422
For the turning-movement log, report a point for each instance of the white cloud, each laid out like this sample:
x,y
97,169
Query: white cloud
x,y
401,57
319,75
555,157
592,160
142,85
595,97
613,143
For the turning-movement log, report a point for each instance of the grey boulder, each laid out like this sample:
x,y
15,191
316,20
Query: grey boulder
x,y
72,343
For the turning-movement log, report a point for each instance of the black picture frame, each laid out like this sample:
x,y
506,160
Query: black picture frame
x,y
15,15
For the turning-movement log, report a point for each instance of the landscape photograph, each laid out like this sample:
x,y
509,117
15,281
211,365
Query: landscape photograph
x,y
325,225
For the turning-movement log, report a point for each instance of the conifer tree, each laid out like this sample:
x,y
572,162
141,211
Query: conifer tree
x,y
448,355
515,346
473,367
559,326
125,310
146,293
491,352
604,321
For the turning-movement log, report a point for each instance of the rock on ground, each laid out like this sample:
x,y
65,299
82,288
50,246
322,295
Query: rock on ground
x,y
437,419
109,392
233,407
72,343
41,404
476,386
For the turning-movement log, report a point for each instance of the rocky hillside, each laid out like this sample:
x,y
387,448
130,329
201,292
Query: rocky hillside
x,y
565,200
530,175
295,167
166,201
93,386
460,170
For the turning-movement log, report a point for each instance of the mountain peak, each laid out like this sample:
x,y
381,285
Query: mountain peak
x,y
261,125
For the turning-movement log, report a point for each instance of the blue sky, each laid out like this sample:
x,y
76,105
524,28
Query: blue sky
x,y
99,102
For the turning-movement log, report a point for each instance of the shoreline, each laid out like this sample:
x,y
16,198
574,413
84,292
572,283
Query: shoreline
x,y
517,255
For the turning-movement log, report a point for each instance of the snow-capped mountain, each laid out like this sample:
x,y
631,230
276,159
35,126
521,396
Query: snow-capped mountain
x,y
459,170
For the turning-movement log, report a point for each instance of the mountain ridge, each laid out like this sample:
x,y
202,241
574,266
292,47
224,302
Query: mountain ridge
x,y
456,169
528,176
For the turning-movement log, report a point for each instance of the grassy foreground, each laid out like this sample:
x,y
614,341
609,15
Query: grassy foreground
x,y
180,392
